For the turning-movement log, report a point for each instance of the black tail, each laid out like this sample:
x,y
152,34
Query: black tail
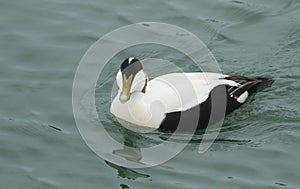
x,y
265,81
252,84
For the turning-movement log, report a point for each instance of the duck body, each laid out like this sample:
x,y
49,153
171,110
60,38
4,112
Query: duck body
x,y
182,101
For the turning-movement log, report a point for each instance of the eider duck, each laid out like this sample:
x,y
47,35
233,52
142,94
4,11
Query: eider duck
x,y
202,98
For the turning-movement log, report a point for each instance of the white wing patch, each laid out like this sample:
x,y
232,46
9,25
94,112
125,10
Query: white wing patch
x,y
242,98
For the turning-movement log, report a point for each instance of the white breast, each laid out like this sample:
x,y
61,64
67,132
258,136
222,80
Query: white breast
x,y
165,94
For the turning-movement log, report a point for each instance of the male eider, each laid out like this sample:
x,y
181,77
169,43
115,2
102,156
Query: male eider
x,y
191,100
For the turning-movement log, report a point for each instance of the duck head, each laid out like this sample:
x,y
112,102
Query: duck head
x,y
131,78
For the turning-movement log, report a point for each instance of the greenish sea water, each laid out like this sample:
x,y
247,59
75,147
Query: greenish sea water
x,y
43,41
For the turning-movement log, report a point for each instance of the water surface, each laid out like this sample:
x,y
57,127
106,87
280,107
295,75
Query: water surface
x,y
42,43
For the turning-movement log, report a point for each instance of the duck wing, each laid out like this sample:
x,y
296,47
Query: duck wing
x,y
181,91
